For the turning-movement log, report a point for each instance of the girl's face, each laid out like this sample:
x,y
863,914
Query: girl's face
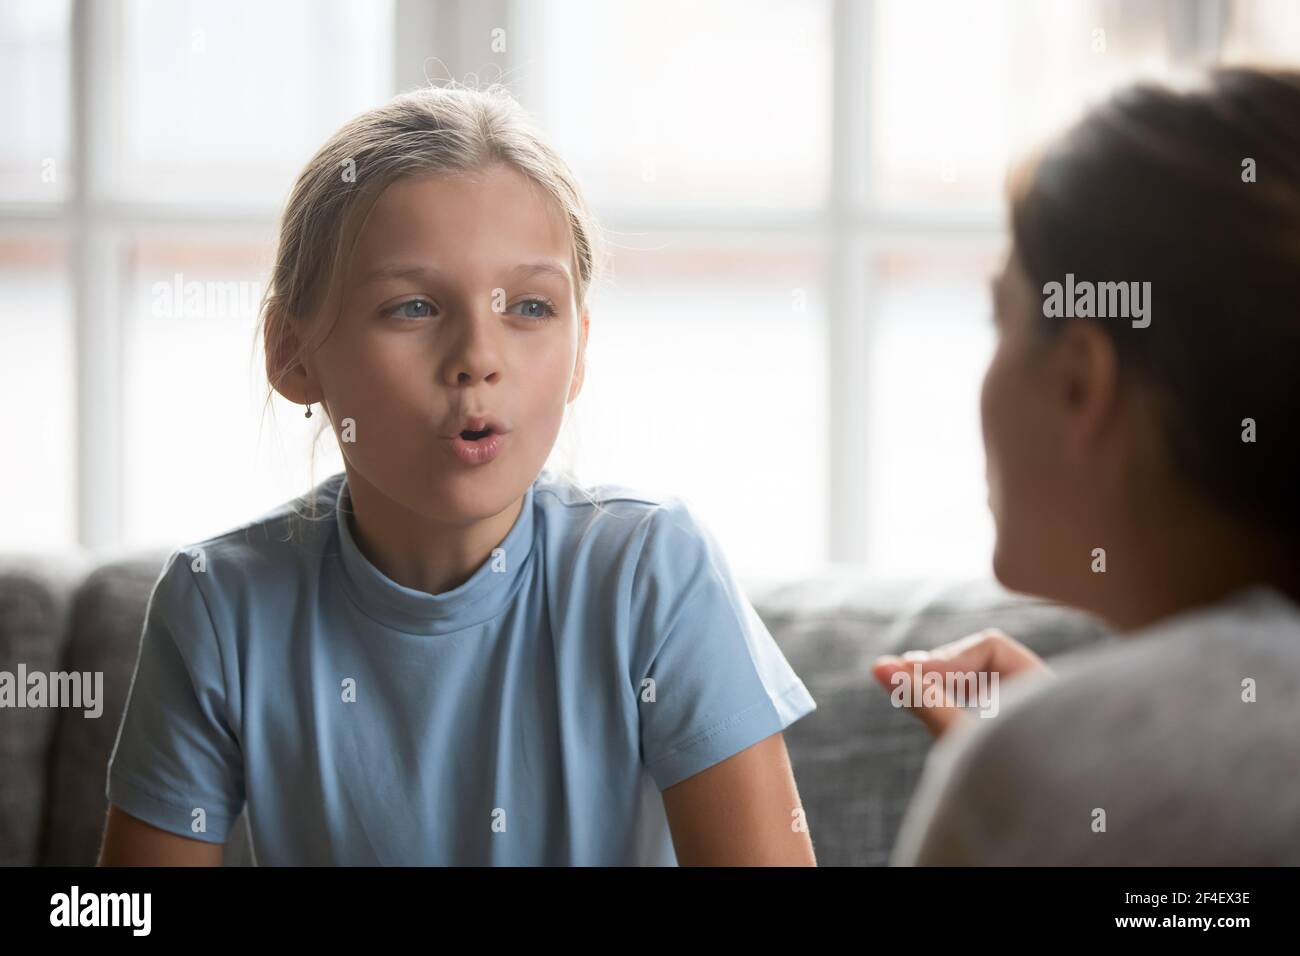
x,y
461,304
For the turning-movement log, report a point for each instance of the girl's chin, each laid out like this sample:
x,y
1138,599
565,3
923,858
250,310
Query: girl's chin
x,y
477,494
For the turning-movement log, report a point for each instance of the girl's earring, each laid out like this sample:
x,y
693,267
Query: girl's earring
x,y
308,415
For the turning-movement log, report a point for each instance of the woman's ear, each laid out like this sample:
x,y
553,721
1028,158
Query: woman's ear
x,y
1088,387
286,373
580,364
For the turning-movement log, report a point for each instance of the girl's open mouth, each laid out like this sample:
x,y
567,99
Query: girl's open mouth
x,y
477,447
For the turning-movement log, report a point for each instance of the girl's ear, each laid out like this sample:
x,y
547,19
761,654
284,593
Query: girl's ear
x,y
580,364
288,377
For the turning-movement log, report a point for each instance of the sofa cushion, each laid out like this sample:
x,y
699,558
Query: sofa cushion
x,y
107,621
35,594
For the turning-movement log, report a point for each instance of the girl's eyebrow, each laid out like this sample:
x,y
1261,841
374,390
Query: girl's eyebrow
x,y
400,272
551,267
527,270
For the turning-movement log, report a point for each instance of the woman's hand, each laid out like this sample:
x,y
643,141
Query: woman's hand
x,y
986,652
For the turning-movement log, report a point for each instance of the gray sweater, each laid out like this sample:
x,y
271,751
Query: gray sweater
x,y
1142,752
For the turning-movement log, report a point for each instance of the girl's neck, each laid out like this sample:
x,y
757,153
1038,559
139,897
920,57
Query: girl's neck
x,y
416,551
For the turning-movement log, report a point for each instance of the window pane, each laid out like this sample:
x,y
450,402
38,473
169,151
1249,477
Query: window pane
x,y
684,103
227,100
34,115
38,391
1264,30
199,457
933,339
994,77
706,379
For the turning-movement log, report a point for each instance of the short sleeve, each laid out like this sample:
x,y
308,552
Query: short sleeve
x,y
712,681
176,752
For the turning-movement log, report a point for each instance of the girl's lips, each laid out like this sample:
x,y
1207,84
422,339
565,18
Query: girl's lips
x,y
477,452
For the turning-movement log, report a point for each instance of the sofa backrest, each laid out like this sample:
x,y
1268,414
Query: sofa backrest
x,y
35,602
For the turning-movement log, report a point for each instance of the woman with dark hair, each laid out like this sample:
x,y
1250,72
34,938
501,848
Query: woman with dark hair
x,y
1141,421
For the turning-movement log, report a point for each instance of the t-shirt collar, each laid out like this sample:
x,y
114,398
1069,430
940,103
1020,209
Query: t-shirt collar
x,y
479,599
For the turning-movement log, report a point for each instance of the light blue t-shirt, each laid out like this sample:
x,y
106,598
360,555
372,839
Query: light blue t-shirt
x,y
529,716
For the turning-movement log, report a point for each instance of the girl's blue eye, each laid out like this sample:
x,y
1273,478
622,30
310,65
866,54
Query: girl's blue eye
x,y
401,310
535,308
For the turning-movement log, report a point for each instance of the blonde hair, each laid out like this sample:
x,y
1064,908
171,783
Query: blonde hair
x,y
446,129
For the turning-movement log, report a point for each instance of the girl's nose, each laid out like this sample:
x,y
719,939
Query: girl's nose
x,y
474,357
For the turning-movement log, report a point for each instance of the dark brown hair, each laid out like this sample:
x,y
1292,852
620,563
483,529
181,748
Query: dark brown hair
x,y
1151,186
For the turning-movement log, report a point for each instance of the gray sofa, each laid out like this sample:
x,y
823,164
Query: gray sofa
x,y
856,758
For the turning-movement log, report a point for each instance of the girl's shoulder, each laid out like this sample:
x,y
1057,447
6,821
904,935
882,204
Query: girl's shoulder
x,y
611,508
560,489
661,534
266,550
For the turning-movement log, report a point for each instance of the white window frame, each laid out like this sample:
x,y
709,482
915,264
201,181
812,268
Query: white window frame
x,y
849,224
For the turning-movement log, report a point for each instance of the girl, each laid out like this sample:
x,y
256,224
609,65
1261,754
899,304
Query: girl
x,y
1146,473
450,655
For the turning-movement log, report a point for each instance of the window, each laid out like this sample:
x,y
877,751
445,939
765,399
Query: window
x,y
37,360
710,358
802,200
34,104
154,144
875,137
